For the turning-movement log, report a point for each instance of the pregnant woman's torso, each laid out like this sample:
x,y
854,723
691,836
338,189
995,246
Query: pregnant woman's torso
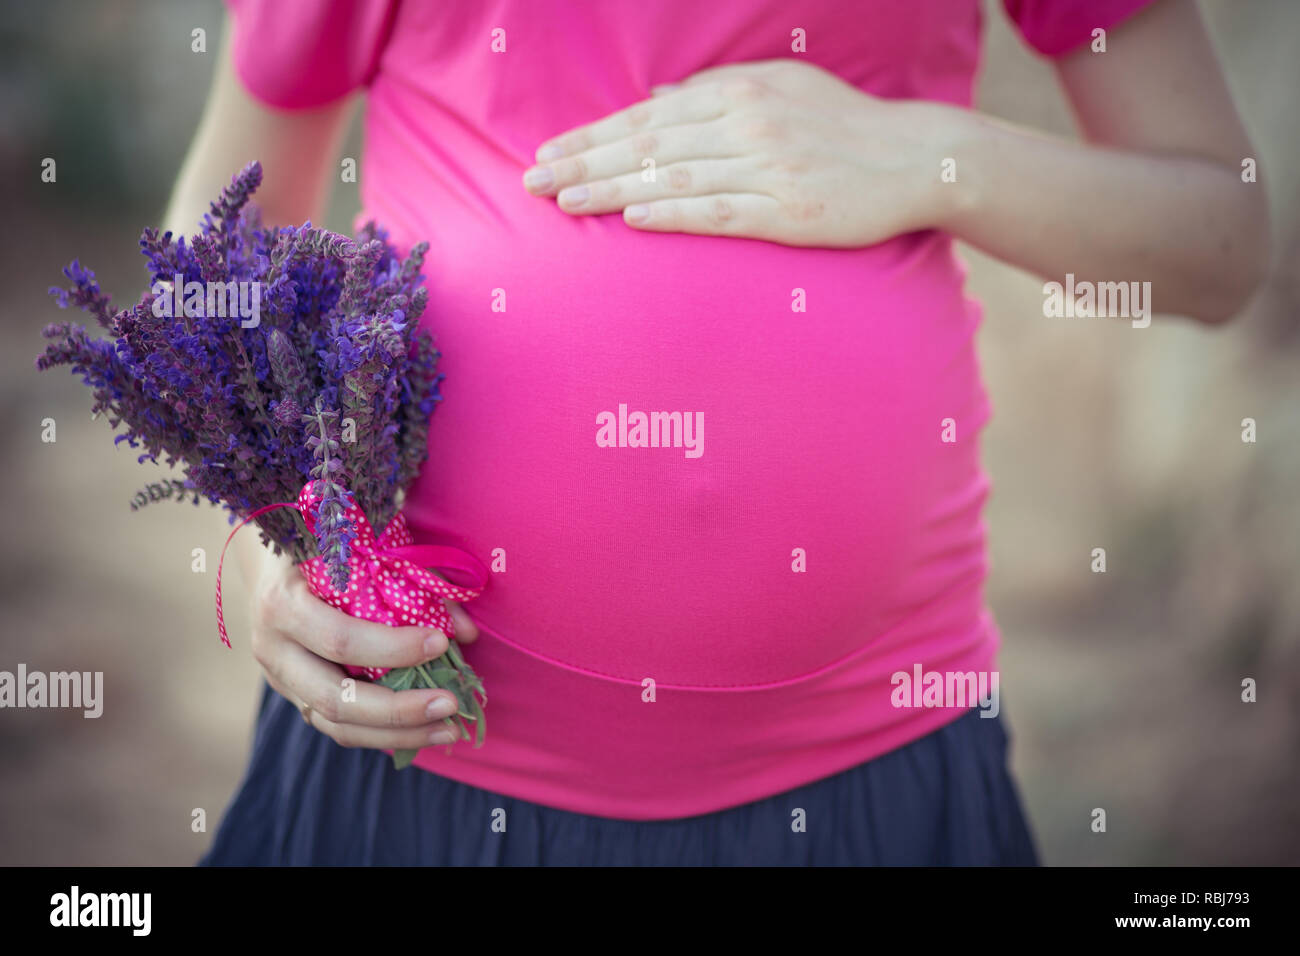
x,y
821,378
670,630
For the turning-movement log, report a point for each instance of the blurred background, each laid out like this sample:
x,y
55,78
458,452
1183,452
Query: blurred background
x,y
1122,690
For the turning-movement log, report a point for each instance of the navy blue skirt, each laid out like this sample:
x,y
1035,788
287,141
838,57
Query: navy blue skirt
x,y
945,799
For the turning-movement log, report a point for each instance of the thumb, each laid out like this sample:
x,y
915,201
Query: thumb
x,y
466,629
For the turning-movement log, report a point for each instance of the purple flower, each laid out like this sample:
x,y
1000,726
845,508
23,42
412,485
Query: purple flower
x,y
334,385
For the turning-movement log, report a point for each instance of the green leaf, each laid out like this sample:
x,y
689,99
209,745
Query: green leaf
x,y
480,726
453,652
402,758
444,675
400,678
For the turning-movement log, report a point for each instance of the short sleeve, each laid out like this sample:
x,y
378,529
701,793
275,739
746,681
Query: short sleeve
x,y
1056,27
297,54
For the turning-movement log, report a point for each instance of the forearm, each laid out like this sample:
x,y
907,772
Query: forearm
x,y
1188,225
296,149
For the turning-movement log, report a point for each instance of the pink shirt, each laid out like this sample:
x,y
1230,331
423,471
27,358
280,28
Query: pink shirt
x,y
822,430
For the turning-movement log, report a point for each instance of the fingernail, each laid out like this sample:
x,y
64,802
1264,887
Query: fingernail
x,y
539,178
574,195
435,644
548,152
444,737
441,707
636,213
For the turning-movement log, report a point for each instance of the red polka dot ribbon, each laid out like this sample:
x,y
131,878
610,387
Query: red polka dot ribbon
x,y
390,582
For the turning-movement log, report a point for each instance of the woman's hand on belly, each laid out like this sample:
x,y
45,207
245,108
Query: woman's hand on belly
x,y
777,150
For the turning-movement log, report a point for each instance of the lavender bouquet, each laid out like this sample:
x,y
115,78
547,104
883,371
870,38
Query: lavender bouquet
x,y
275,365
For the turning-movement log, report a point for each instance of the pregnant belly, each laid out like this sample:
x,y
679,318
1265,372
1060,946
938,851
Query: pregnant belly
x,y
710,462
